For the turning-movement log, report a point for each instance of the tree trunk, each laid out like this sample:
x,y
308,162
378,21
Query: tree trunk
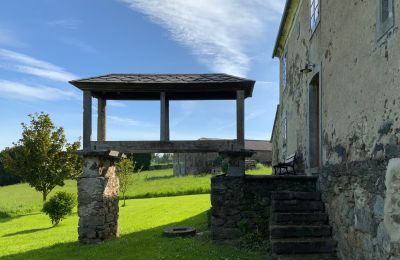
x,y
44,194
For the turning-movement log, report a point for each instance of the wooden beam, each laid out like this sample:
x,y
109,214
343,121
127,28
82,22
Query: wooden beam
x,y
101,119
87,120
164,117
168,147
240,118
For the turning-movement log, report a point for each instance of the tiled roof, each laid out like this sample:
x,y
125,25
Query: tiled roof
x,y
176,86
162,78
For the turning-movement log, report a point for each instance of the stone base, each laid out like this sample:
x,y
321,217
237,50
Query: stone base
x,y
241,205
98,201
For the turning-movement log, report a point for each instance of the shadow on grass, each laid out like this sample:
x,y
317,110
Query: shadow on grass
x,y
170,194
146,244
8,217
26,231
154,178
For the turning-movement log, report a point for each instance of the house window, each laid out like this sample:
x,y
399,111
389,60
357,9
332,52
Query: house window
x,y
314,17
385,17
284,130
284,71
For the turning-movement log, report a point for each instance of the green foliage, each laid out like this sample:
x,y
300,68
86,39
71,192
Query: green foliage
x,y
59,206
142,161
7,178
42,157
124,169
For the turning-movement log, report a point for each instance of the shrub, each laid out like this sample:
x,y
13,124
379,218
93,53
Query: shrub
x,y
59,206
142,161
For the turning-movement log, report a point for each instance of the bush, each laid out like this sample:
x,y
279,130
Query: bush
x,y
142,161
59,206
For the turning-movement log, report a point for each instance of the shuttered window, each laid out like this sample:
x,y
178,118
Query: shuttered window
x,y
314,14
385,18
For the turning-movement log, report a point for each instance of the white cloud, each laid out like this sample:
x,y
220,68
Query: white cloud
x,y
8,38
71,24
79,44
124,121
220,32
21,91
28,65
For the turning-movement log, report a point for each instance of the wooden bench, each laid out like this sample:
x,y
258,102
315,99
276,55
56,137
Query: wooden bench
x,y
286,165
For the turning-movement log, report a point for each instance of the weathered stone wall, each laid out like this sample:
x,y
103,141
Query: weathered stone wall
x,y
242,204
363,211
98,200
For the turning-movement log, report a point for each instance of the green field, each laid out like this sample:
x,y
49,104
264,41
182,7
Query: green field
x,y
22,199
141,224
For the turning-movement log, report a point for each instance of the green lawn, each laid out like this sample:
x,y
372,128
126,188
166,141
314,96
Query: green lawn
x,y
141,224
22,199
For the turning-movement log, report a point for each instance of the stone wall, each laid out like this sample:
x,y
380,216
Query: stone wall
x,y
98,200
242,204
360,208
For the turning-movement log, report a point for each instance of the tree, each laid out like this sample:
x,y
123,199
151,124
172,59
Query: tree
x,y
6,178
124,171
142,161
42,157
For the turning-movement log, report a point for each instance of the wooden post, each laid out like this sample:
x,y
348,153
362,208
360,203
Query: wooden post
x,y
240,118
164,117
101,119
87,120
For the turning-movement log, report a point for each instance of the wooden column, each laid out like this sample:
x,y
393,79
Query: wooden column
x,y
164,117
101,119
240,118
87,120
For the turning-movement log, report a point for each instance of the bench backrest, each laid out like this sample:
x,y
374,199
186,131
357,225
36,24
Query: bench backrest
x,y
290,158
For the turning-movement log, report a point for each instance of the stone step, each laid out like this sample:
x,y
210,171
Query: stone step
x,y
308,257
302,245
299,218
293,195
299,231
297,206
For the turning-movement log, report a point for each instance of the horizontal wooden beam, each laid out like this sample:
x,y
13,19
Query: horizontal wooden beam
x,y
167,147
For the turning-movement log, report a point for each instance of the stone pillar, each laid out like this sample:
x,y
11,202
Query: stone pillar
x,y
98,199
236,162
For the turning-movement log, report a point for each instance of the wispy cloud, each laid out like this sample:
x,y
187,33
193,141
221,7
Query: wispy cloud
x,y
28,65
220,32
124,121
79,44
8,38
71,24
21,91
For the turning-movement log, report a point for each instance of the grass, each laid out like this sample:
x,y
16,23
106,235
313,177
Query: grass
x,y
141,224
260,170
21,199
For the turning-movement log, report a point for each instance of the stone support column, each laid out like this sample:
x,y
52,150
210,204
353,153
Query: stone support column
x,y
236,162
98,198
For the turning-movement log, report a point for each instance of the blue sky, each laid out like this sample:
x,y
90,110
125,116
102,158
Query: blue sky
x,y
45,43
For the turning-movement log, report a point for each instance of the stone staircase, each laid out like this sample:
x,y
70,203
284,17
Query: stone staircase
x,y
299,226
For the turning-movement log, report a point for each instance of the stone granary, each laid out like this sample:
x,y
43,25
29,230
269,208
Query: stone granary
x,y
200,163
339,114
98,185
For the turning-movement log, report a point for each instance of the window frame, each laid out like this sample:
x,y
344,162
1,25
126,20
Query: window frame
x,y
383,27
284,71
315,14
284,130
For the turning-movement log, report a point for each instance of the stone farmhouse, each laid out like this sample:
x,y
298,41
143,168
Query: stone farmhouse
x,y
339,114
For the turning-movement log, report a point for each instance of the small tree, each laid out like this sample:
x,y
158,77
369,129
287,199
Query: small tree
x,y
59,206
42,157
124,171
